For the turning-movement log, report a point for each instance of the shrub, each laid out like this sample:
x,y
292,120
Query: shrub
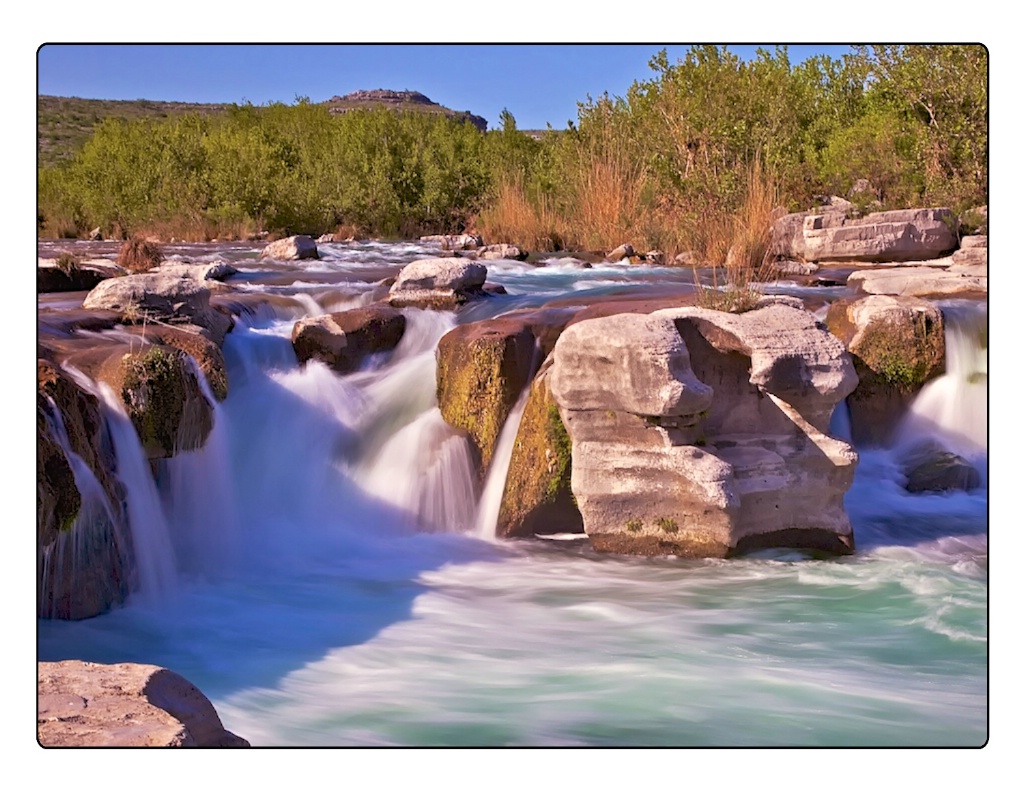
x,y
139,255
67,263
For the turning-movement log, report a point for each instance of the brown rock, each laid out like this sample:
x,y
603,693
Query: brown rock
x,y
343,340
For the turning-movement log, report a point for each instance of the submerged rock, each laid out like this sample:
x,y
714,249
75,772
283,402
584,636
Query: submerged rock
x,y
344,340
934,469
438,283
703,434
85,704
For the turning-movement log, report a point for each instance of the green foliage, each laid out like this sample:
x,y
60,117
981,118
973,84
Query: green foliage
x,y
634,525
667,524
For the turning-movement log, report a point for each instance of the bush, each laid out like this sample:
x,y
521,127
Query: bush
x,y
139,255
67,263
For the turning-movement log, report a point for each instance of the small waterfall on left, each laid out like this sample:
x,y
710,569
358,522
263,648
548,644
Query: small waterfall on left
x,y
154,554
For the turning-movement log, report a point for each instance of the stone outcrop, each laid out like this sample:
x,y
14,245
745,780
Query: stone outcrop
x,y
972,257
50,278
84,551
830,235
704,434
168,296
163,399
897,345
934,469
344,340
294,248
538,495
207,354
438,283
85,704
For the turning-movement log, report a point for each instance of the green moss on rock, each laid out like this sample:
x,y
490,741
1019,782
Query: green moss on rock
x,y
538,494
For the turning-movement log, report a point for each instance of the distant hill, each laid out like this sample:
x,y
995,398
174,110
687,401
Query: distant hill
x,y
399,100
65,123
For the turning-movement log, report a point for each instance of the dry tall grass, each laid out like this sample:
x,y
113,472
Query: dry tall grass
x,y
608,206
139,255
512,218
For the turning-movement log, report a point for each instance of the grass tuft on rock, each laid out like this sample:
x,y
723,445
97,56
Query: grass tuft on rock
x,y
139,255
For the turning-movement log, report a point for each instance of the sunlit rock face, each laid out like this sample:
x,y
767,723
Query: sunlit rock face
x,y
704,434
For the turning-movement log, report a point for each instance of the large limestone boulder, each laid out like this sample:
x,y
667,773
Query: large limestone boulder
x,y
344,340
294,248
171,296
538,495
438,283
703,434
85,704
84,553
897,345
830,235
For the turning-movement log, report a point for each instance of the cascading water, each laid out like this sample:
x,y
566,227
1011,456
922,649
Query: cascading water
x,y
341,624
154,553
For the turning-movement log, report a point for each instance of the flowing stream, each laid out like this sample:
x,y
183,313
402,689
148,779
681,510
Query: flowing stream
x,y
331,586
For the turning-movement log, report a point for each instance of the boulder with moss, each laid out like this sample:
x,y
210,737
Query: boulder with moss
x,y
538,495
700,433
897,345
86,704
345,339
163,399
84,553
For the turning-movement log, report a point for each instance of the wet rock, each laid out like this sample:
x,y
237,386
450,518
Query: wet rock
x,y
207,354
294,248
897,345
438,283
703,434
931,468
50,279
482,368
84,704
344,340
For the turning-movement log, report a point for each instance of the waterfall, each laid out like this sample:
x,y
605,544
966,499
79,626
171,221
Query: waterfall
x,y
953,409
96,537
154,553
199,497
486,523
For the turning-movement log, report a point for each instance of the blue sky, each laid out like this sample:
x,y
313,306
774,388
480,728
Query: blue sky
x,y
538,83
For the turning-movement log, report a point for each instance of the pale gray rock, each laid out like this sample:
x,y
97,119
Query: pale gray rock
x,y
170,296
700,433
440,283
920,281
293,248
85,704
497,252
621,252
462,241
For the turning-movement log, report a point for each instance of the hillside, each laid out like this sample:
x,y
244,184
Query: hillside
x,y
65,123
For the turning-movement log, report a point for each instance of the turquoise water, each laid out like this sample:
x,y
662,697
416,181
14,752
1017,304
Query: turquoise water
x,y
313,607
